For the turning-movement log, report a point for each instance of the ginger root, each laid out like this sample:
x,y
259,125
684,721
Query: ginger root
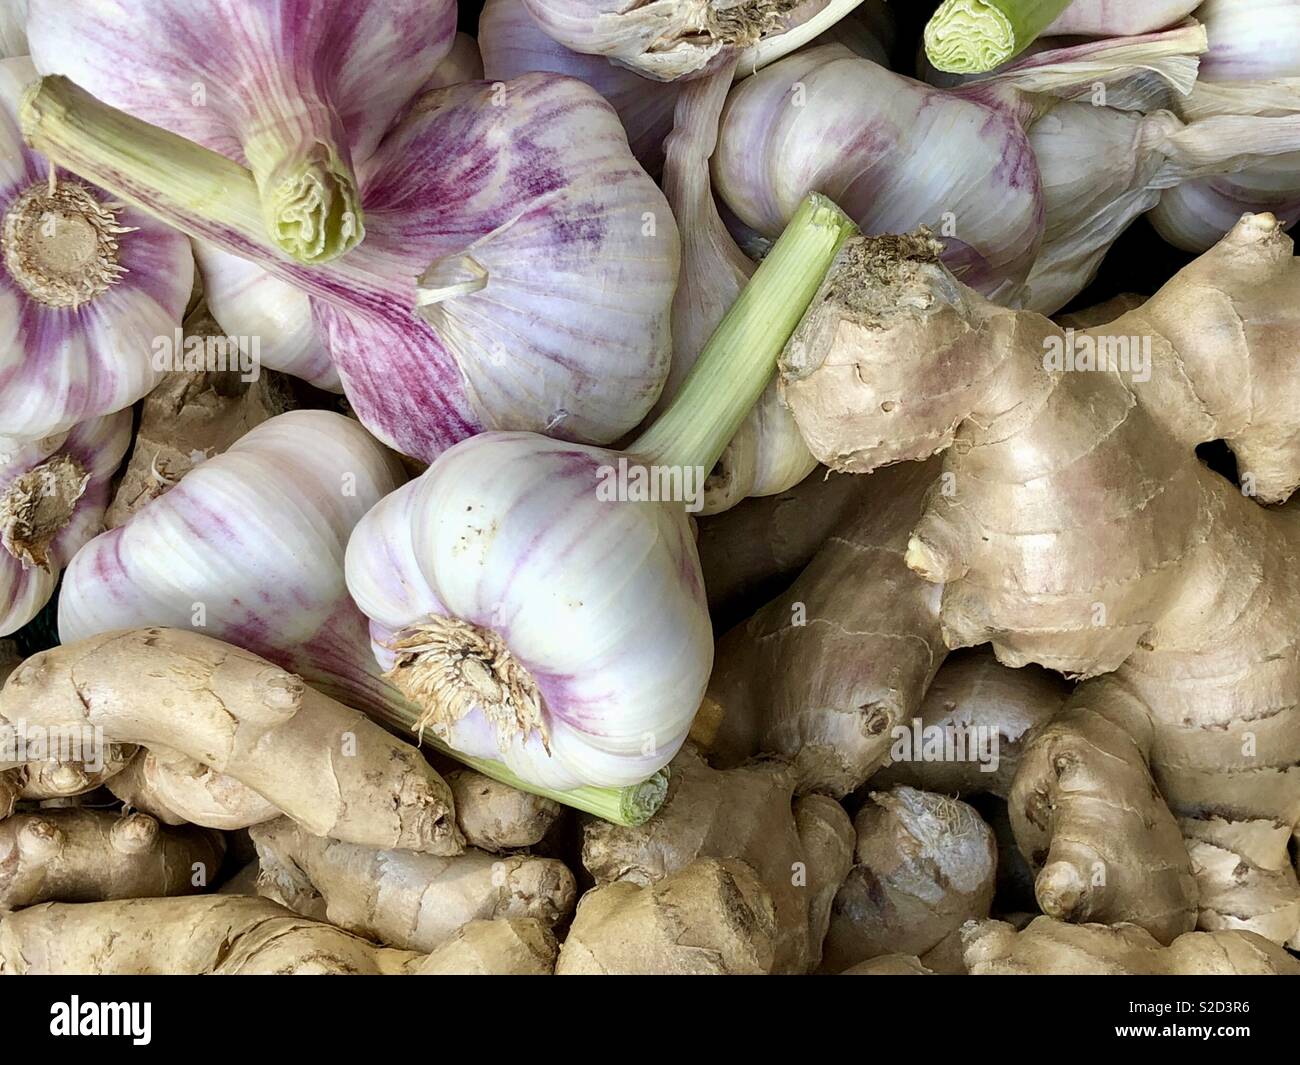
x,y
890,965
1076,528
495,817
404,899
801,850
518,947
60,779
712,918
178,790
75,855
328,767
924,865
822,675
221,935
1047,946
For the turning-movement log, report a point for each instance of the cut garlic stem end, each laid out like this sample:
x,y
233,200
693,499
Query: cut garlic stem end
x,y
312,210
975,36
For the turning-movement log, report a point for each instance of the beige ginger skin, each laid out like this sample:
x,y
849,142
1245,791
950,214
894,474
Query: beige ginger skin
x,y
1073,526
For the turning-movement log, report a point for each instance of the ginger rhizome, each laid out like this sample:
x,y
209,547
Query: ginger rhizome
x,y
329,768
1072,525
799,849
402,898
239,935
95,855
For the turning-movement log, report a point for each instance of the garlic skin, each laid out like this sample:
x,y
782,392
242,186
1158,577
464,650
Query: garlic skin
x,y
462,63
512,44
75,343
1118,18
298,91
53,493
668,39
507,532
868,139
248,548
13,28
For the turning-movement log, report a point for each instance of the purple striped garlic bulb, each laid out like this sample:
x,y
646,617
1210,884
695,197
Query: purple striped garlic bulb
x,y
517,272
498,585
300,90
873,140
86,286
53,493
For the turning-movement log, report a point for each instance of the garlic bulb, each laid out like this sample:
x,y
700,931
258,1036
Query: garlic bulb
x,y
870,139
512,44
87,286
249,302
52,498
668,39
299,91
767,455
541,602
540,258
248,548
1251,70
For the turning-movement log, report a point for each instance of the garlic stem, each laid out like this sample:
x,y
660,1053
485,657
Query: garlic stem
x,y
199,192
974,36
740,357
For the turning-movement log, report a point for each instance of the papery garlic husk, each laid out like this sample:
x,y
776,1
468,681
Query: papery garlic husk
x,y
767,455
668,39
868,30
86,288
13,29
247,548
1251,70
508,565
300,92
517,271
52,498
249,302
512,44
